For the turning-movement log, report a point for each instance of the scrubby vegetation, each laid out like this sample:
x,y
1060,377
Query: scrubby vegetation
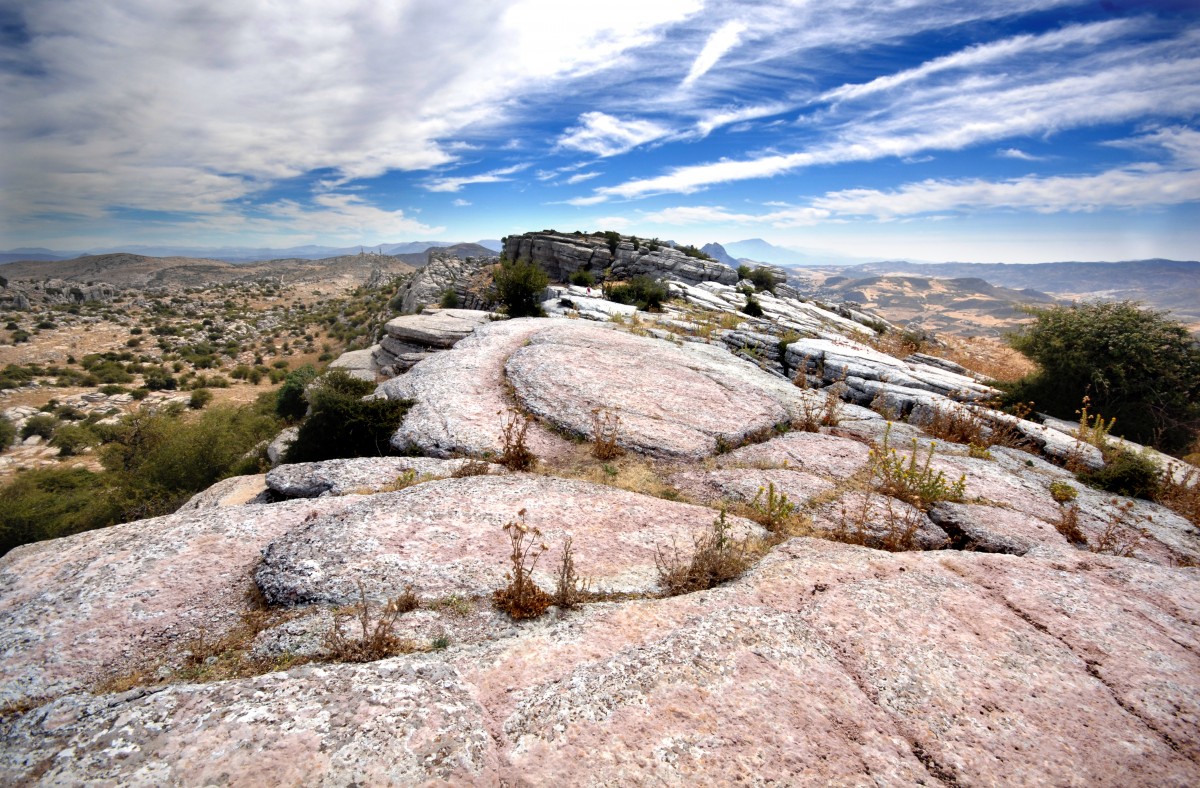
x,y
641,291
152,463
340,423
518,287
1137,366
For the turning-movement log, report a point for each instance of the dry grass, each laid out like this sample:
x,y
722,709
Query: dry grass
x,y
605,428
716,558
987,356
1181,496
825,412
911,481
896,533
569,590
515,455
522,598
1119,537
471,467
1067,524
971,427
376,639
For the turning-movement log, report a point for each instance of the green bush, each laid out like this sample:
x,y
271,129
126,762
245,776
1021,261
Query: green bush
x,y
290,403
48,503
763,279
641,291
449,299
1125,473
1135,364
41,425
70,439
743,272
752,307
8,433
518,287
342,424
200,397
582,279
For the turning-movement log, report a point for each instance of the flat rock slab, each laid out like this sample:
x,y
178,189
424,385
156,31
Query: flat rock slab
x,y
234,491
879,522
78,608
460,398
813,452
744,484
680,402
441,328
447,537
826,664
358,474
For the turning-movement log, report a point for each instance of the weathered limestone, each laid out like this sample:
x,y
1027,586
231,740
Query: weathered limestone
x,y
562,255
356,474
358,363
445,273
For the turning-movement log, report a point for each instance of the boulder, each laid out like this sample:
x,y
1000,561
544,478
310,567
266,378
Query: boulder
x,y
436,328
358,363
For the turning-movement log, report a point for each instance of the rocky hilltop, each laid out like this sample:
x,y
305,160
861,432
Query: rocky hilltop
x,y
911,609
561,255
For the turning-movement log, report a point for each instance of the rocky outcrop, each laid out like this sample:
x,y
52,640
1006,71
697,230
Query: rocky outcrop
x,y
412,338
360,475
562,255
700,400
467,278
358,363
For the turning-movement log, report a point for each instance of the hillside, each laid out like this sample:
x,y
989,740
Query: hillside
x,y
779,578
1163,284
962,306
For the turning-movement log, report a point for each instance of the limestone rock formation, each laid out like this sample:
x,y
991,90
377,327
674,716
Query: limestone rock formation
x,y
562,255
411,338
445,273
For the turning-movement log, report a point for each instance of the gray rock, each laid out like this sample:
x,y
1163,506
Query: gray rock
x,y
358,363
279,446
234,491
562,255
444,273
436,328
356,474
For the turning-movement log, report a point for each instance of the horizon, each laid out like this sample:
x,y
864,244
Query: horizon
x,y
1014,132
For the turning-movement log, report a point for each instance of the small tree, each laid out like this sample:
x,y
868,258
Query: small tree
x,y
518,286
1135,364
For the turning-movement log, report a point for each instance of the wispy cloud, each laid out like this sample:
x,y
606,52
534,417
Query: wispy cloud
x,y
1017,153
583,176
605,135
460,203
724,39
455,183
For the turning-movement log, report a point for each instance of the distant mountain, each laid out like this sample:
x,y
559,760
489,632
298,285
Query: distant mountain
x,y
1162,284
491,243
718,253
760,251
238,254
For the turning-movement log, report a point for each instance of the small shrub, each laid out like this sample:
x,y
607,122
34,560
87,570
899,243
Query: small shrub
x,y
71,439
752,307
771,509
763,279
1182,496
471,467
716,558
641,291
449,299
1125,473
8,433
342,423
377,640
582,279
522,598
911,481
891,531
42,425
515,455
518,287
1067,524
1062,492
290,402
200,397
825,412
605,426
1119,538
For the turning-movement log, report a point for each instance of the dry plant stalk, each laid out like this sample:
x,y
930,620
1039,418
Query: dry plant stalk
x,y
605,426
570,590
522,598
912,481
376,641
1182,496
472,467
716,558
516,455
1119,538
897,533
1068,525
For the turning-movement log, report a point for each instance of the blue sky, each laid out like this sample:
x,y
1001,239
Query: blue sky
x,y
1014,131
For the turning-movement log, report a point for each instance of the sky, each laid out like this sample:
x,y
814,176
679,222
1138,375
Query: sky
x,y
1006,131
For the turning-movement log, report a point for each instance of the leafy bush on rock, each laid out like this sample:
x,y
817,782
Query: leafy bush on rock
x,y
343,424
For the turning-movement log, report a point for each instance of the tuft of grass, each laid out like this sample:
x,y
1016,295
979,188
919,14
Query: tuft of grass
x,y
823,413
1119,537
515,454
605,427
716,558
911,480
471,467
376,640
1182,496
522,598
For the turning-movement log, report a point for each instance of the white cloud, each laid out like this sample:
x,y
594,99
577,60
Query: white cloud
x,y
583,176
789,216
455,183
1017,153
724,39
606,135
1119,188
460,203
